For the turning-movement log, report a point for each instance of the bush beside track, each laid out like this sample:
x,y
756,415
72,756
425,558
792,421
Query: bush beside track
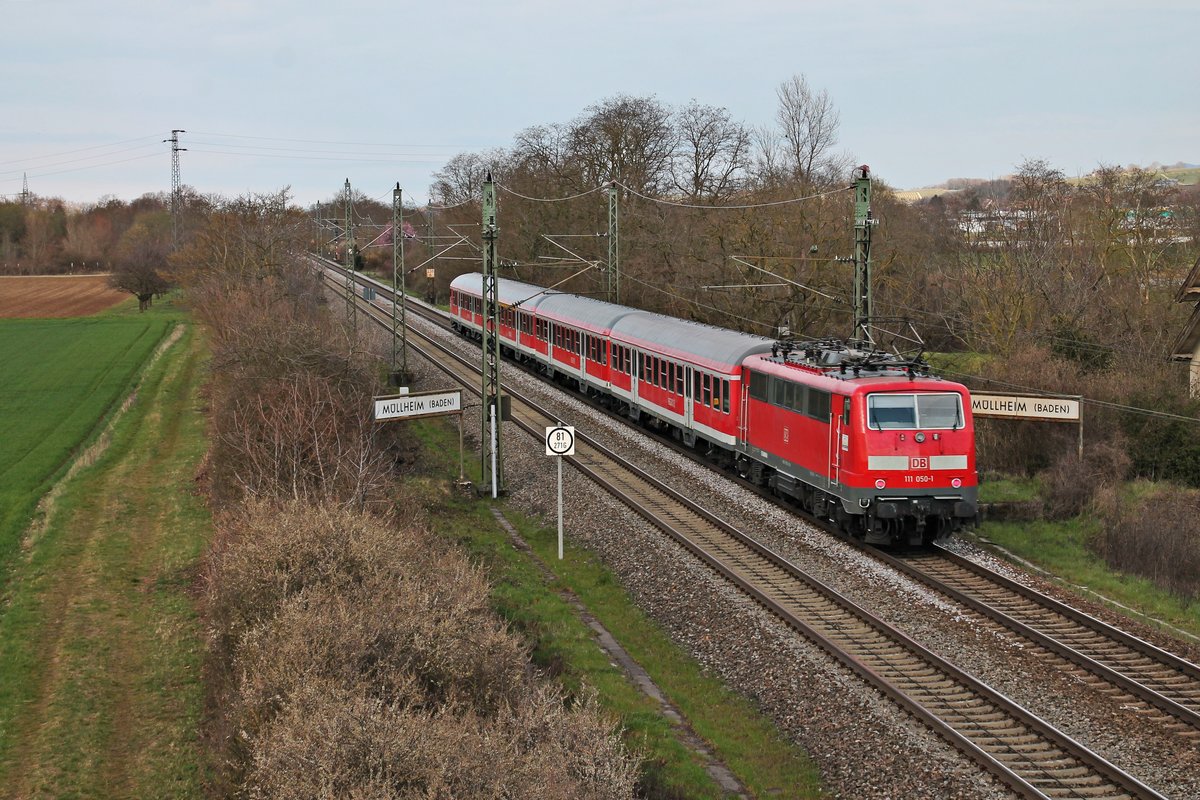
x,y
351,653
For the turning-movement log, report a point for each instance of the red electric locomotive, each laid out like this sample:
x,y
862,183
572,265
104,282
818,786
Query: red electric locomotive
x,y
854,435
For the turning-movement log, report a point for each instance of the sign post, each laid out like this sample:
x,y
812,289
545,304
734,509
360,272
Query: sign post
x,y
560,441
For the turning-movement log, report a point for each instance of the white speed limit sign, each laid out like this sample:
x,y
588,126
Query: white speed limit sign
x,y
560,440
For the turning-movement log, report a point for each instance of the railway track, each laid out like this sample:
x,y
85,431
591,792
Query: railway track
x,y
1027,754
1157,678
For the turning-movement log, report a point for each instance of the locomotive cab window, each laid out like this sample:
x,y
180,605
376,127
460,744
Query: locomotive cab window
x,y
818,404
908,411
758,386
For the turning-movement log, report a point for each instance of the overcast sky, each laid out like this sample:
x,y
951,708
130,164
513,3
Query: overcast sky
x,y
307,94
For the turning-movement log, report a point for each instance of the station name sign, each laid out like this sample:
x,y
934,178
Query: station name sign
x,y
1055,409
425,404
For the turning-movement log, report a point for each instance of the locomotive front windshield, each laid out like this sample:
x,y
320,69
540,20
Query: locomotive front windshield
x,y
907,411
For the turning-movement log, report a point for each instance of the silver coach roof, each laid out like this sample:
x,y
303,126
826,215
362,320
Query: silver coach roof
x,y
707,345
571,308
508,291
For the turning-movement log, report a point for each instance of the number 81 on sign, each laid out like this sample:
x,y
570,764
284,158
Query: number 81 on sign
x,y
560,440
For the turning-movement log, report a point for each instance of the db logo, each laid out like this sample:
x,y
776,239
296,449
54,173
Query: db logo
x,y
918,462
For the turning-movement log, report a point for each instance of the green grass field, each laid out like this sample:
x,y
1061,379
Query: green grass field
x,y
61,379
100,640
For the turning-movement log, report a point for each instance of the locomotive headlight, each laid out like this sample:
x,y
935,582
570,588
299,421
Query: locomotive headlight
x,y
920,437
956,483
880,483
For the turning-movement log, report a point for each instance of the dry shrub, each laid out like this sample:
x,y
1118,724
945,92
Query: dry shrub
x,y
304,438
291,400
340,644
269,553
422,639
1071,483
1156,536
329,742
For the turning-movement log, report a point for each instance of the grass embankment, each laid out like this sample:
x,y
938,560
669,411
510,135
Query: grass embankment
x,y
62,378
1061,548
564,645
100,647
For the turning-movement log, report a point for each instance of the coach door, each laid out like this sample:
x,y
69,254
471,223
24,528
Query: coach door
x,y
688,400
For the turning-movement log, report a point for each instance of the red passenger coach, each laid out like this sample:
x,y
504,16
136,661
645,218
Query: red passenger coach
x,y
851,434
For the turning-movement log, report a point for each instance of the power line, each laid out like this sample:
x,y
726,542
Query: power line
x,y
660,201
90,166
78,160
671,202
1146,412
77,150
698,304
320,141
550,199
351,159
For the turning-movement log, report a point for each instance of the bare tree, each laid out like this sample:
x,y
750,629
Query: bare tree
x,y
809,123
243,240
460,180
627,138
769,161
713,152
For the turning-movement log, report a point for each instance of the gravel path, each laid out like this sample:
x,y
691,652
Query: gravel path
x,y
865,746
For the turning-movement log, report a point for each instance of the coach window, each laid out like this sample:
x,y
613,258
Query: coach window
x,y
679,379
725,396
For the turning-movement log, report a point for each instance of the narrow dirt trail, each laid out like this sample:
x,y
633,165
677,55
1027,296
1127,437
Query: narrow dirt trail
x,y
112,643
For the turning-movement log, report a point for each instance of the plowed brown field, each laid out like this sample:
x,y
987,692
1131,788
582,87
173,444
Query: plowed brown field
x,y
56,295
